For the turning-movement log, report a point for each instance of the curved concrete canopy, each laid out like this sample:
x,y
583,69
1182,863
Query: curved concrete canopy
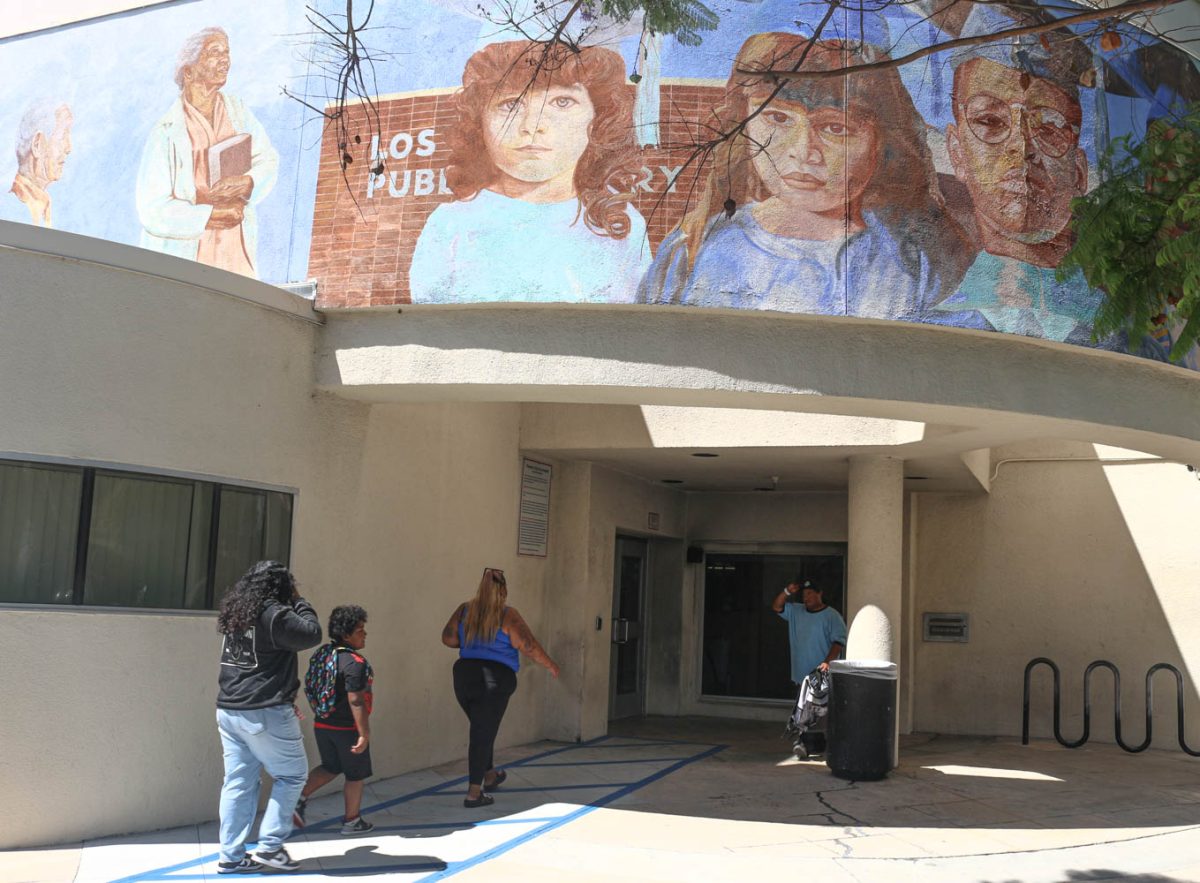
x,y
998,385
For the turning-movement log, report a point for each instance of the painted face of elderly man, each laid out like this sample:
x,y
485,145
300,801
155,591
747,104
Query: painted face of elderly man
x,y
1014,144
43,143
196,188
1015,141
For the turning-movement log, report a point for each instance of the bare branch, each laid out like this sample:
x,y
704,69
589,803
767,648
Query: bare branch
x,y
1115,13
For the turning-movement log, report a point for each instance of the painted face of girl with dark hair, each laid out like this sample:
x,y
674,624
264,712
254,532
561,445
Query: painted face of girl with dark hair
x,y
816,160
535,139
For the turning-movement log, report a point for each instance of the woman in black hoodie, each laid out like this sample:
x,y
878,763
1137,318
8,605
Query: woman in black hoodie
x,y
264,622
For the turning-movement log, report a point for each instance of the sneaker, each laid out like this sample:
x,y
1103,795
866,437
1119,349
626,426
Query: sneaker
x,y
298,812
245,866
358,826
279,860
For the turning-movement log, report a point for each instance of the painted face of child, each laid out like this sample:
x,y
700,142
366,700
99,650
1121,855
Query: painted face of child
x,y
537,138
815,160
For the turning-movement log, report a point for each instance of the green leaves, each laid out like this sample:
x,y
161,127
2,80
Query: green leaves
x,y
1137,235
685,20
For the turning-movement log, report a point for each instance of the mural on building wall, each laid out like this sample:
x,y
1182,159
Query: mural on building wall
x,y
833,196
206,165
542,172
166,128
43,144
938,191
1014,144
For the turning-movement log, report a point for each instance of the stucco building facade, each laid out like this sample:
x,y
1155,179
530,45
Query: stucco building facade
x,y
697,451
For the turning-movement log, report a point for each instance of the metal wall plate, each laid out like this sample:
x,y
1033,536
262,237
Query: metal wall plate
x,y
952,627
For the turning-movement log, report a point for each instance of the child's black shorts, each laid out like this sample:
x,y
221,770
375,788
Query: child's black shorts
x,y
334,747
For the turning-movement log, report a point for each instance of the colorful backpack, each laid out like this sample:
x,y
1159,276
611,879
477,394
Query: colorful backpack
x,y
320,681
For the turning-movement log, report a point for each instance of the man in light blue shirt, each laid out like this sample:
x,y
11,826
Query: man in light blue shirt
x,y
816,632
816,635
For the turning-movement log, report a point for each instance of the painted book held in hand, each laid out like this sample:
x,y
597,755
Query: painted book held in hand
x,y
229,158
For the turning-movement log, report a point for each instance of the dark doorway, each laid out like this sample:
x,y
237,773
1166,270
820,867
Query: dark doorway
x,y
627,667
745,642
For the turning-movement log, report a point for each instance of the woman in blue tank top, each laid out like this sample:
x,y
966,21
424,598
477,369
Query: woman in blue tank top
x,y
488,635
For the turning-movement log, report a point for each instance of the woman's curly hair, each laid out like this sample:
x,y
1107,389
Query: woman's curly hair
x,y
607,172
344,620
263,583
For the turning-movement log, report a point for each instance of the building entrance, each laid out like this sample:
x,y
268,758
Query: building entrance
x,y
627,677
745,645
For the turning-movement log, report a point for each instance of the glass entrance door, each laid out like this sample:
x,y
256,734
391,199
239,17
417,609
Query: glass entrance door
x,y
627,677
745,642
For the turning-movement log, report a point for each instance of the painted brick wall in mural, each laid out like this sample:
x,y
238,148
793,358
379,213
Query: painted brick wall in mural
x,y
936,192
365,234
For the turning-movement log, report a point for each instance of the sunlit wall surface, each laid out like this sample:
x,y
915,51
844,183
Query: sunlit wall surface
x,y
938,191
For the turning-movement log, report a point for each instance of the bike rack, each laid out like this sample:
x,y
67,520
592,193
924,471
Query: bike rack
x,y
1087,705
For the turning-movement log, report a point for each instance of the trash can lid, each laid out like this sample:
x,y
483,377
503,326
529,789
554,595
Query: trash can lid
x,y
867,668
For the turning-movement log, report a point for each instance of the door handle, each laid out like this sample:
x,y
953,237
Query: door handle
x,y
620,631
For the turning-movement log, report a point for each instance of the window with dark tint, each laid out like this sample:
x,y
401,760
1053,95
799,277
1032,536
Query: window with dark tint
x,y
137,550
254,525
103,537
39,523
745,642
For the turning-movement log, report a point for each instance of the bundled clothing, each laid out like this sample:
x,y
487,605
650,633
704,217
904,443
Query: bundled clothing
x,y
812,704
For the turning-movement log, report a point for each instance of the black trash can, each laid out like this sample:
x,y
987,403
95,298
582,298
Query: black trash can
x,y
862,719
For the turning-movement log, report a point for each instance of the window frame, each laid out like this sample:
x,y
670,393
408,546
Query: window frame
x,y
89,470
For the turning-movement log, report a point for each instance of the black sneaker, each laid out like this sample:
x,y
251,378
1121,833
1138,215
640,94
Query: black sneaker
x,y
357,827
245,866
298,812
279,860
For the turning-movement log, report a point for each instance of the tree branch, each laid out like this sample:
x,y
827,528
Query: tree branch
x,y
1113,12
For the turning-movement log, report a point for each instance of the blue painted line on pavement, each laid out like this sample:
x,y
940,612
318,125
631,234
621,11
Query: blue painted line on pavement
x,y
157,874
593,786
625,762
169,873
441,786
458,867
657,740
356,871
463,826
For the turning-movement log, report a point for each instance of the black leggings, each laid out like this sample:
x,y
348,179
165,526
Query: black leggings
x,y
482,689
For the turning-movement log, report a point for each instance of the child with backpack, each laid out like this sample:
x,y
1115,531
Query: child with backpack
x,y
338,687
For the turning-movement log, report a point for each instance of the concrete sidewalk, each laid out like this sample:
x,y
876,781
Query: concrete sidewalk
x,y
673,799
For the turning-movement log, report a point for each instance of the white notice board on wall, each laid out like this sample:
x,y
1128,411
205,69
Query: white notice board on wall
x,y
533,526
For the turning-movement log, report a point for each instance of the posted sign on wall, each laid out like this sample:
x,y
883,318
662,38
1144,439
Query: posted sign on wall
x,y
533,530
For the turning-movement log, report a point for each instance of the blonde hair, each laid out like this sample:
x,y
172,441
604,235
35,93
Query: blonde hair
x,y
482,618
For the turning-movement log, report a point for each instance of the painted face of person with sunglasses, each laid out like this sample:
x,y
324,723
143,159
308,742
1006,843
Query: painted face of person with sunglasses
x,y
1015,145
